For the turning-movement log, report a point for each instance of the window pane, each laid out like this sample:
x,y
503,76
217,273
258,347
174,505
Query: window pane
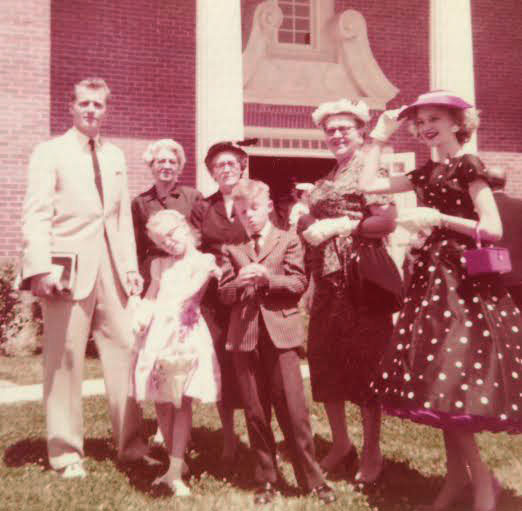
x,y
286,36
287,24
302,37
302,25
302,10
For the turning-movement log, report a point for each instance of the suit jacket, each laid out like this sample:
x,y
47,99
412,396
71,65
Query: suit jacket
x,y
510,209
282,255
210,219
63,210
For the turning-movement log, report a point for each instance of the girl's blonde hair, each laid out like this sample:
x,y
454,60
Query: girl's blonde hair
x,y
162,222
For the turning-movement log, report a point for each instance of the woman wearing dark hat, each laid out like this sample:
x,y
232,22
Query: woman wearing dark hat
x,y
352,305
454,361
217,224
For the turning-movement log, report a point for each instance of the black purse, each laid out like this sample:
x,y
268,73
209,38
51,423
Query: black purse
x,y
373,278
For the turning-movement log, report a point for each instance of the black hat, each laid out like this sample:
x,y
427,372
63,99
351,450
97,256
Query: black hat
x,y
234,147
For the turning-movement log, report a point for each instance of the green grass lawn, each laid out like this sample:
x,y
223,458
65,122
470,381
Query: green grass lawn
x,y
28,370
413,474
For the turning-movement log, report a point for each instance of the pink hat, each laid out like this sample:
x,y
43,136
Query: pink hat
x,y
435,98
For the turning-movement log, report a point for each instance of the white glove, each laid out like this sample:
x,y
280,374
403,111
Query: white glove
x,y
415,219
141,311
387,125
322,230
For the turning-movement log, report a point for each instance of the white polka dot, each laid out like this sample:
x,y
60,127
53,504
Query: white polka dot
x,y
459,404
431,269
463,260
464,386
430,358
438,281
463,340
480,381
447,314
458,364
503,313
461,301
441,395
477,365
436,298
475,299
385,376
410,395
442,376
515,407
484,400
486,333
468,323
500,356
407,376
401,331
515,329
427,404
515,375
434,341
399,347
503,416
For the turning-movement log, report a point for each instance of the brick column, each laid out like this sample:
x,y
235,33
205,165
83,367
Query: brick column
x,y
24,105
451,50
219,80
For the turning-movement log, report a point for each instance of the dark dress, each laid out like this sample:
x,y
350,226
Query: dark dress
x,y
346,335
215,228
181,198
455,359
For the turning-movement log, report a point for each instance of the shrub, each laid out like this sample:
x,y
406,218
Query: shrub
x,y
20,317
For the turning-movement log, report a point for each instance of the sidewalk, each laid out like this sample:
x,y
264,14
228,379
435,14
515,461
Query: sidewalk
x,y
11,393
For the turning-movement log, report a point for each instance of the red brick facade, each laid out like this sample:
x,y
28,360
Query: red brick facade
x,y
146,49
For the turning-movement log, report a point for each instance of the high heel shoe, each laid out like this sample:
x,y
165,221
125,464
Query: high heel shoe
x,y
345,463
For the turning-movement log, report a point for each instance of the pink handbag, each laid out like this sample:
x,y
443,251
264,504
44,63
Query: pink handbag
x,y
483,260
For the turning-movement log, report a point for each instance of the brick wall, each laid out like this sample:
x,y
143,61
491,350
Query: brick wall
x,y
145,49
24,105
497,45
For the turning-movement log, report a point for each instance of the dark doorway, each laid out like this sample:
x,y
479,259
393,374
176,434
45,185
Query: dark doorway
x,y
282,173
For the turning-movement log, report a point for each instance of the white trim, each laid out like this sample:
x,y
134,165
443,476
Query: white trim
x,y
293,152
293,133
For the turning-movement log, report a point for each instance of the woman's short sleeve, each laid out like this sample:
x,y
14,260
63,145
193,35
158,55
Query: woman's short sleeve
x,y
379,199
470,168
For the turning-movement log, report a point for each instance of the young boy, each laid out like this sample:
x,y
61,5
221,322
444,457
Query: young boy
x,y
263,279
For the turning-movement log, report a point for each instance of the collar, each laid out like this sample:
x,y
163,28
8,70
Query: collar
x,y
83,140
152,193
263,233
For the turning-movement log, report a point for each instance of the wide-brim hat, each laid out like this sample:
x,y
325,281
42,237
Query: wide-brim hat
x,y
435,98
221,147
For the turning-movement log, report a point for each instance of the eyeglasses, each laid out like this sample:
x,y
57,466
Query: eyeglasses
x,y
222,165
343,130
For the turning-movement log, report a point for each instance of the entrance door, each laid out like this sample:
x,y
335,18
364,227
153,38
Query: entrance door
x,y
281,173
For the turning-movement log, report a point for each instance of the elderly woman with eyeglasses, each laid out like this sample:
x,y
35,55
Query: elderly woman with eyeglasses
x,y
357,288
217,224
166,159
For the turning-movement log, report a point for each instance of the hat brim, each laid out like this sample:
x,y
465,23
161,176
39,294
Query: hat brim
x,y
221,148
444,101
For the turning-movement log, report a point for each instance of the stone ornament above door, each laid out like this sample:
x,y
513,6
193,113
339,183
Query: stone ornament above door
x,y
337,61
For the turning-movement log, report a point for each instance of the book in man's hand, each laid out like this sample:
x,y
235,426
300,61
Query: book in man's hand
x,y
64,267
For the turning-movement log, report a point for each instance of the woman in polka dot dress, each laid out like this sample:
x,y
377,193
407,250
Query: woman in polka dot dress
x,y
455,360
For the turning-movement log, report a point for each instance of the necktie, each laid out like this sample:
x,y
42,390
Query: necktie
x,y
96,167
256,238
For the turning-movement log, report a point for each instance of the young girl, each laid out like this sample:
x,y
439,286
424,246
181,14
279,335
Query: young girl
x,y
175,359
455,357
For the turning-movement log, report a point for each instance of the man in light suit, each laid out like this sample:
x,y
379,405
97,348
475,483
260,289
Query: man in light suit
x,y
77,202
263,279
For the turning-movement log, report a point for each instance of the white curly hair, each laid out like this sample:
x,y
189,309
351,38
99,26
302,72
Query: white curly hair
x,y
164,143
359,109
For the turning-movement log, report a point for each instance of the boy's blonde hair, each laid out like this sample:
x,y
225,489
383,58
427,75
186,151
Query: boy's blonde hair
x,y
162,222
250,189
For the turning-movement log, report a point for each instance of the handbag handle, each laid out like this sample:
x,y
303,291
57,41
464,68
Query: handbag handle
x,y
477,236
